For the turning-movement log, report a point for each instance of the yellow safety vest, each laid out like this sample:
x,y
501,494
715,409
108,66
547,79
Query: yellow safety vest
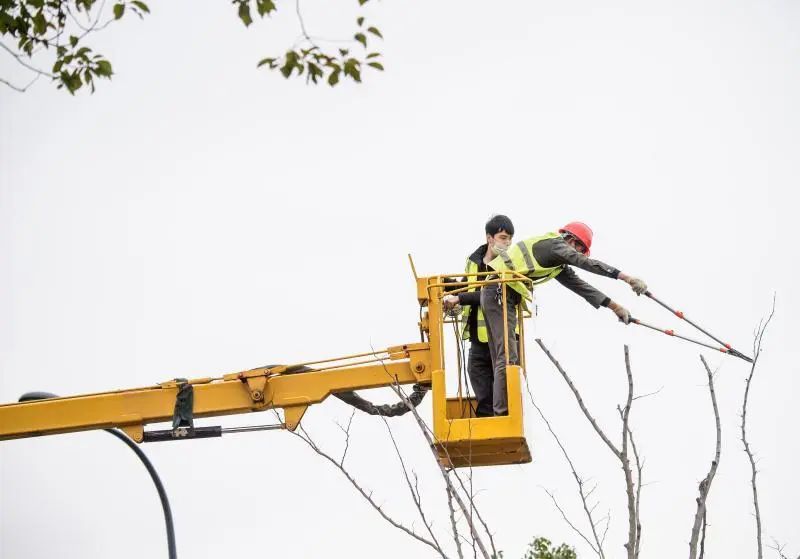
x,y
519,258
471,274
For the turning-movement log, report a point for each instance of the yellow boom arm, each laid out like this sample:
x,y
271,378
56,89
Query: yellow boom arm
x,y
461,438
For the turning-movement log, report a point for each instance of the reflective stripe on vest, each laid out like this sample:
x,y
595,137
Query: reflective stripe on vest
x,y
471,272
519,258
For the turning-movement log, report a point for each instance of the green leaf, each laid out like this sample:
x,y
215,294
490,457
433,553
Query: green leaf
x,y
103,69
265,61
373,55
141,5
362,2
82,53
344,52
57,66
244,13
375,31
351,69
287,67
73,40
119,10
377,65
265,7
39,23
360,21
333,79
361,38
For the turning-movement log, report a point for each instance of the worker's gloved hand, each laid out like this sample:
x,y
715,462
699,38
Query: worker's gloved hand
x,y
449,301
638,285
622,313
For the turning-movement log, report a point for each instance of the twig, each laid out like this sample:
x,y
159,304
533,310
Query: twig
x,y
22,89
757,339
23,63
631,545
413,489
430,438
453,523
346,436
302,435
705,484
432,445
597,547
571,525
578,397
779,549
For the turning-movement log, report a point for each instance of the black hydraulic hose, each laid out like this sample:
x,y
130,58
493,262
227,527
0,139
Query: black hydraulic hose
x,y
385,410
162,493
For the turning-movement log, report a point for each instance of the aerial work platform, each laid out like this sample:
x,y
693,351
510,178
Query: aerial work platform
x,y
461,439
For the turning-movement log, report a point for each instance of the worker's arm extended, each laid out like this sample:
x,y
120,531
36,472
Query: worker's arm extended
x,y
569,279
556,252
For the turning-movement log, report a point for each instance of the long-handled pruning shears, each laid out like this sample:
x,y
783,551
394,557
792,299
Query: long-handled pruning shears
x,y
726,348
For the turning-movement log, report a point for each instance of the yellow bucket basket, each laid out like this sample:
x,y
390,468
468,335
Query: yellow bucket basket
x,y
462,439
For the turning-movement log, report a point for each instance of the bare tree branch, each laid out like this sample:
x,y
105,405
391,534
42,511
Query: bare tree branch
x,y
575,529
578,397
432,445
22,62
303,435
626,465
456,537
346,432
638,485
597,546
705,484
631,545
21,89
779,548
757,339
413,489
703,538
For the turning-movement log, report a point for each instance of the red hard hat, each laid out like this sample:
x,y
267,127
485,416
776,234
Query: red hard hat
x,y
580,231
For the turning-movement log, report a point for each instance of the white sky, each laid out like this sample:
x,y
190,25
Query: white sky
x,y
197,216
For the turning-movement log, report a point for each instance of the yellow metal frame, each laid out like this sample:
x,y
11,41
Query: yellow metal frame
x,y
461,440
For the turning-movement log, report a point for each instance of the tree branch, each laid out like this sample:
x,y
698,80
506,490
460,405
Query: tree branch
x,y
631,545
757,339
578,397
413,490
626,466
597,547
705,484
432,445
598,551
303,435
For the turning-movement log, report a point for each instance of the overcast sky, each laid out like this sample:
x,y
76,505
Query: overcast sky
x,y
197,216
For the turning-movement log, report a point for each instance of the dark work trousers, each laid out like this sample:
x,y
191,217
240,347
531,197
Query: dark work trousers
x,y
493,315
481,374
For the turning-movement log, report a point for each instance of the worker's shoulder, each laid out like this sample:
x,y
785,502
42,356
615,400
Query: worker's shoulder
x,y
478,254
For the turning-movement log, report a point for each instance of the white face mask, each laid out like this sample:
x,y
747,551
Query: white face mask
x,y
499,248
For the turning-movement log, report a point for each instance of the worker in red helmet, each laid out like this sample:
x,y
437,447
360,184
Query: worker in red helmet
x,y
541,259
